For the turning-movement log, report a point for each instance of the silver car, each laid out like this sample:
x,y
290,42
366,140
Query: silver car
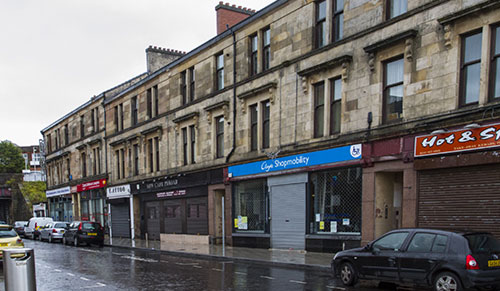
x,y
53,231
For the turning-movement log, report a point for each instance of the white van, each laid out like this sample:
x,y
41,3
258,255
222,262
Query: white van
x,y
32,229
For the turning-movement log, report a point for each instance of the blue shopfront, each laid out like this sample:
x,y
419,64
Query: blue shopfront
x,y
308,201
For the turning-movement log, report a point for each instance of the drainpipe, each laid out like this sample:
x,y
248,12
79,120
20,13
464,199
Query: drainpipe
x,y
234,95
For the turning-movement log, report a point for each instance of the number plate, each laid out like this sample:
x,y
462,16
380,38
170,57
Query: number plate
x,y
91,233
3,245
62,231
494,263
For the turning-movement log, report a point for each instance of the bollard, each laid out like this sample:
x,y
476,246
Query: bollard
x,y
19,269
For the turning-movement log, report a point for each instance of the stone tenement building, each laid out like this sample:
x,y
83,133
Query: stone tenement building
x,y
313,125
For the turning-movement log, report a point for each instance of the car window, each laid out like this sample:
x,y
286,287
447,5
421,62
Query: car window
x,y
392,241
479,243
60,225
423,243
440,243
90,226
5,232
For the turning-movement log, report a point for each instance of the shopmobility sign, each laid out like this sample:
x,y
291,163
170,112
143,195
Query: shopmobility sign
x,y
329,156
457,141
58,192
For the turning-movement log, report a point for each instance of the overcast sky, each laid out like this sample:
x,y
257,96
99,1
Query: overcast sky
x,y
56,54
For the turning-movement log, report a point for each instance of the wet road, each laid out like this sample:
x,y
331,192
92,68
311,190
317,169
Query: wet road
x,y
60,267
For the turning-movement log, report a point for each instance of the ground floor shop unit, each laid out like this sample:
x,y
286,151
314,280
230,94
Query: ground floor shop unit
x,y
458,178
92,204
309,201
60,204
181,208
120,204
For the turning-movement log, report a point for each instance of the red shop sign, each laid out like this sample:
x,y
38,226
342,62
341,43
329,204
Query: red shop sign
x,y
91,185
457,141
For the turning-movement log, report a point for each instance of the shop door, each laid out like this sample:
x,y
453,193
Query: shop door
x,y
153,220
196,216
288,211
388,196
460,198
120,220
174,213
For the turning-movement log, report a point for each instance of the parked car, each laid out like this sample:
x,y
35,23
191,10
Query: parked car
x,y
442,260
19,227
9,239
53,231
32,230
88,232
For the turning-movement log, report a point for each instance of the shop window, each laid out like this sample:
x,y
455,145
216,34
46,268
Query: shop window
x,y
495,65
335,201
335,105
319,109
338,20
152,213
251,206
320,24
470,69
172,211
254,45
396,8
393,90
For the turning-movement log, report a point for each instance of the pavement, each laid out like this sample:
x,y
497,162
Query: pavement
x,y
279,257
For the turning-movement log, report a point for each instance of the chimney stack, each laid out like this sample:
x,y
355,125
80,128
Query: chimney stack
x,y
230,15
158,57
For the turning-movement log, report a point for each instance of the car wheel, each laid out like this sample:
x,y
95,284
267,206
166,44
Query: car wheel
x,y
348,274
447,281
75,241
50,239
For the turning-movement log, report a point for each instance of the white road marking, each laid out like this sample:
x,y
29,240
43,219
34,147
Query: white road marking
x,y
98,285
186,264
69,274
118,254
240,273
57,270
90,251
140,259
218,270
164,261
334,287
298,282
84,279
267,277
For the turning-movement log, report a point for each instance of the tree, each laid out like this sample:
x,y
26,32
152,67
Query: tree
x,y
33,192
11,159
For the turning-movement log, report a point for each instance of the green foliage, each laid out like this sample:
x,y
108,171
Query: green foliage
x,y
11,159
33,192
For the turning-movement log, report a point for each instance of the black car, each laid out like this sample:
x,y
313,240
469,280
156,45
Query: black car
x,y
79,232
443,260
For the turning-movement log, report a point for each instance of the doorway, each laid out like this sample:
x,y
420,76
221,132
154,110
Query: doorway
x,y
388,197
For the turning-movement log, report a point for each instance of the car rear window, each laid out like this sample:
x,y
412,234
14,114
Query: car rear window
x,y
5,232
60,225
90,226
480,243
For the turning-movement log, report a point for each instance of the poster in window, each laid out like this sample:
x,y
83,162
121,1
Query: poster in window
x,y
318,217
321,225
346,221
236,223
333,226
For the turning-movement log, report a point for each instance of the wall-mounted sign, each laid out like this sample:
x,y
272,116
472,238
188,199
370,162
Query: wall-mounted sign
x,y
329,156
91,185
122,191
171,193
457,141
58,192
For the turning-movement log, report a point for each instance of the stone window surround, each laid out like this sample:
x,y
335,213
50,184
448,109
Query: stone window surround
x,y
215,111
186,121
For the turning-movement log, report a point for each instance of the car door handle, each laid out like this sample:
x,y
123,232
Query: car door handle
x,y
431,261
392,260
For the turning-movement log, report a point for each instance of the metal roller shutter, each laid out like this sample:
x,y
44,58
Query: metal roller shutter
x,y
120,220
197,216
462,198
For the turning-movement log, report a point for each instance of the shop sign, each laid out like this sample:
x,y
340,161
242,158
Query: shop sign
x,y
457,141
74,189
171,194
58,192
91,185
340,154
161,184
122,191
